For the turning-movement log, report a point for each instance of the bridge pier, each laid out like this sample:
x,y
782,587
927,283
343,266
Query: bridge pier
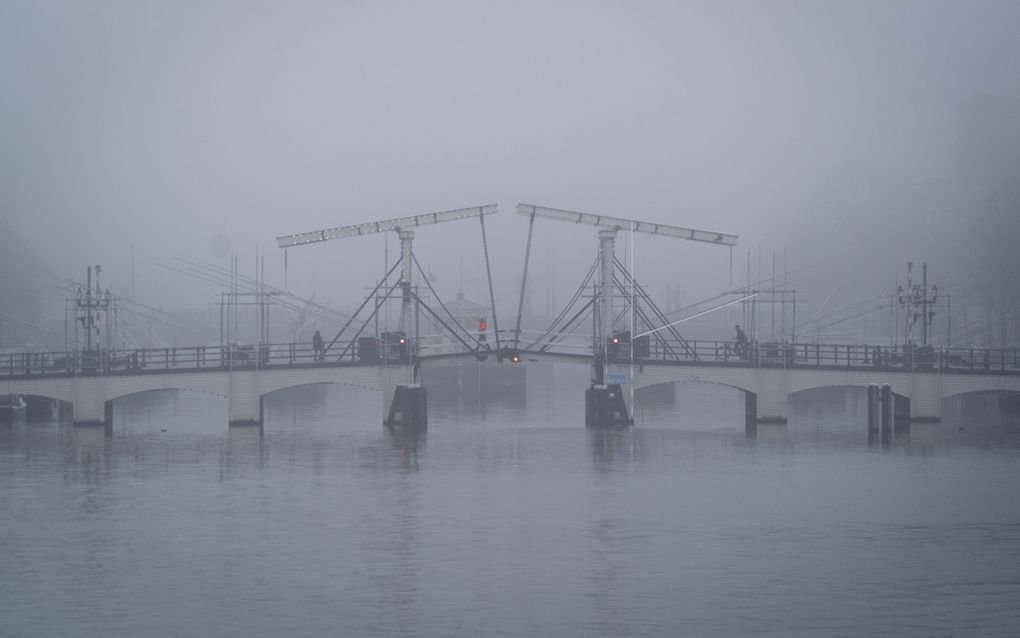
x,y
769,398
759,408
246,413
89,406
245,399
409,407
925,402
605,406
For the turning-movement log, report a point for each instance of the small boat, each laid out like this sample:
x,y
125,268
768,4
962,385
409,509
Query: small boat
x,y
12,407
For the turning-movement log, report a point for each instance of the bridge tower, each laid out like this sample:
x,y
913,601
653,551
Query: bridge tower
x,y
604,400
407,403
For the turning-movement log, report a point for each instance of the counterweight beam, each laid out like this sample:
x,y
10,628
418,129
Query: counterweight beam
x,y
621,223
398,223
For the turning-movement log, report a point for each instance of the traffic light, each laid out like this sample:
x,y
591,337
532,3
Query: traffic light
x,y
396,346
512,355
616,346
482,327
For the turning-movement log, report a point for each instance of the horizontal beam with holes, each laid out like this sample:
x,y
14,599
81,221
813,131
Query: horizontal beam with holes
x,y
621,223
397,223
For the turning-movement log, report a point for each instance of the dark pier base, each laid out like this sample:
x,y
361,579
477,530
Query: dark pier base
x,y
604,406
409,407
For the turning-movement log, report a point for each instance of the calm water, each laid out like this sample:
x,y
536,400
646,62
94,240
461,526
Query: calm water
x,y
506,521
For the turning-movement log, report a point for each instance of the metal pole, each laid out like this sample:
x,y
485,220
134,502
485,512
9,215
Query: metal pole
x,y
633,311
365,303
772,325
924,302
524,281
488,273
607,255
910,303
386,281
88,309
793,323
412,361
406,240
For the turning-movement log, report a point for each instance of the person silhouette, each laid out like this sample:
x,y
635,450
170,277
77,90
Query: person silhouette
x,y
741,342
318,347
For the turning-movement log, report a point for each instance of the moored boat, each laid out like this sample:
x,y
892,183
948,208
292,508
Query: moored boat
x,y
12,406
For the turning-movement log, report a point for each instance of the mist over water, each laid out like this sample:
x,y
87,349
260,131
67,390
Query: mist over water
x,y
168,144
507,519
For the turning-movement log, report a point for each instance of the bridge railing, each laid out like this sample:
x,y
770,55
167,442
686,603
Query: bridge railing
x,y
802,355
831,355
214,357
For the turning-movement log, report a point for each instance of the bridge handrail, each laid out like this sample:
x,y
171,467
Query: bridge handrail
x,y
717,352
828,355
187,358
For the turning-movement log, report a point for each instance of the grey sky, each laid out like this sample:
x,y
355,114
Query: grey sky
x,y
165,124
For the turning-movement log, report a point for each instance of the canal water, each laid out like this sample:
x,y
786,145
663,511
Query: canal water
x,y
508,518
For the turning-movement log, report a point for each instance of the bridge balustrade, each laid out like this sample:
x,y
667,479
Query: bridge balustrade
x,y
96,362
764,354
822,355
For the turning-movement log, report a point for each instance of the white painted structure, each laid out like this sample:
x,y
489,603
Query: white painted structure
x,y
771,386
245,388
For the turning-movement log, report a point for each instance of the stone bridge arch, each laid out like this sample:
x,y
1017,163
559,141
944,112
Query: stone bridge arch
x,y
764,399
1002,403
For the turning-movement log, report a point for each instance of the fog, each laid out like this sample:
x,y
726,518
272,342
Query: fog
x,y
145,131
845,465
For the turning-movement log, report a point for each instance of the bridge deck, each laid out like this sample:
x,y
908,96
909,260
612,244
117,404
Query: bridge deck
x,y
700,353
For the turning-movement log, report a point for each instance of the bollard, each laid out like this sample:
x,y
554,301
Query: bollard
x,y
887,410
874,407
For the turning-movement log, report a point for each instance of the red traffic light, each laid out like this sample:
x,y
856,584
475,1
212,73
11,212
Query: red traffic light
x,y
482,325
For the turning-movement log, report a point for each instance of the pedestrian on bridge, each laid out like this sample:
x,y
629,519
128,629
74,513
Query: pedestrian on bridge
x,y
742,342
318,347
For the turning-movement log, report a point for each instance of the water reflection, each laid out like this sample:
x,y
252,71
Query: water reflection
x,y
517,522
611,448
91,459
245,449
407,441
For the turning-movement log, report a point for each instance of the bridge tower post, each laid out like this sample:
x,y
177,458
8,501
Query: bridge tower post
x,y
604,403
607,253
406,266
408,406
